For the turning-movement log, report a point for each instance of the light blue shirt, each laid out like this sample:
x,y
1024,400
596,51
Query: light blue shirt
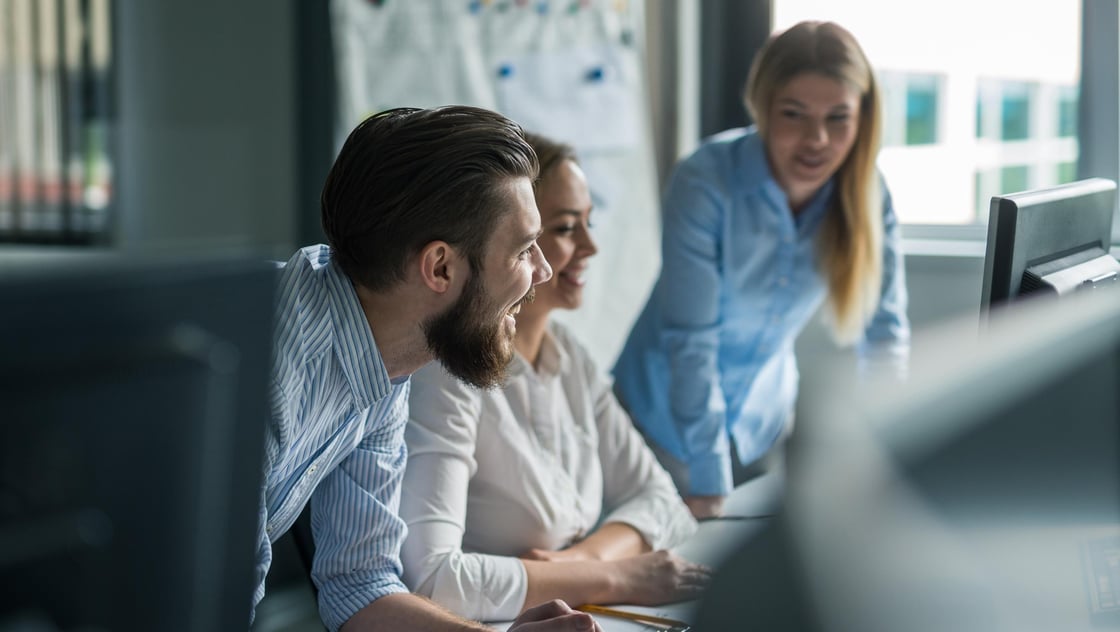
x,y
336,439
711,357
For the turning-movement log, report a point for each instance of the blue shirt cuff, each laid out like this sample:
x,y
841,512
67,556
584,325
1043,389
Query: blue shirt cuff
x,y
710,476
342,597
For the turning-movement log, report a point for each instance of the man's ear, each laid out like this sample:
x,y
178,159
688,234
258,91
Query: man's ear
x,y
440,266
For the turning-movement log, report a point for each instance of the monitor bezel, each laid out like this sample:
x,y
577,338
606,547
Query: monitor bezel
x,y
1032,227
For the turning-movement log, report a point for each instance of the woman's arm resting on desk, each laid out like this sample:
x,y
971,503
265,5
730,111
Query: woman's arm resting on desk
x,y
612,541
648,579
405,611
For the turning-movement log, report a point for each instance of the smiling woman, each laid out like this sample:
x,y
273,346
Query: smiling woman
x,y
760,227
541,488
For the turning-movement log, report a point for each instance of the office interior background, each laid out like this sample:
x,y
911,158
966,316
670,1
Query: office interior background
x,y
210,125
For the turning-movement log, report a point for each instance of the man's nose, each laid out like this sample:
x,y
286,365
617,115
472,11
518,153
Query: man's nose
x,y
542,272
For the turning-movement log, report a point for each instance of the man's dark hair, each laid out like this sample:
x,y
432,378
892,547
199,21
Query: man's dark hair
x,y
407,177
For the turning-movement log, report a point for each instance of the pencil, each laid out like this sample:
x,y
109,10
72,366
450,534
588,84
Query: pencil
x,y
633,616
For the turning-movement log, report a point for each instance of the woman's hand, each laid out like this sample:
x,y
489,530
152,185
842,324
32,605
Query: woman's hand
x,y
705,506
659,577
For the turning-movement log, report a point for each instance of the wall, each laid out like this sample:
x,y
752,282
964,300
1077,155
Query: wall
x,y
942,285
206,125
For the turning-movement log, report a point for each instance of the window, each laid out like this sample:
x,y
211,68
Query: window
x,y
1003,109
1014,178
921,110
1066,172
915,97
1015,111
1067,111
992,113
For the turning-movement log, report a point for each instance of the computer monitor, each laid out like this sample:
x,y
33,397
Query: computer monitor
x,y
1049,241
133,398
981,494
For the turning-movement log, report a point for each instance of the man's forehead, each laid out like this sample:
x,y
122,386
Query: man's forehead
x,y
520,224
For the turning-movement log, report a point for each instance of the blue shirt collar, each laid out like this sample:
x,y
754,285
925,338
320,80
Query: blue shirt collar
x,y
354,344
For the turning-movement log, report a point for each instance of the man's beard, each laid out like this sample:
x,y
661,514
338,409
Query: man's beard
x,y
468,339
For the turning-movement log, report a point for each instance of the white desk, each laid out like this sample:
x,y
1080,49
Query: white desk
x,y
746,511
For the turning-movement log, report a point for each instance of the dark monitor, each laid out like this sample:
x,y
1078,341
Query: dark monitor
x,y
1049,241
983,494
133,398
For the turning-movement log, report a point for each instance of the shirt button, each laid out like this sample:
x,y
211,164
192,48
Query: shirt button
x,y
311,470
783,281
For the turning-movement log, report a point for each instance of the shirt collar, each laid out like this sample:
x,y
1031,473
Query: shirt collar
x,y
354,344
554,359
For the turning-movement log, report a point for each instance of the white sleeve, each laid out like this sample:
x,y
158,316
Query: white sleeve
x,y
441,439
637,491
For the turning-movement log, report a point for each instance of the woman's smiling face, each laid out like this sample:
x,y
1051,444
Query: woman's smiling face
x,y
564,201
811,127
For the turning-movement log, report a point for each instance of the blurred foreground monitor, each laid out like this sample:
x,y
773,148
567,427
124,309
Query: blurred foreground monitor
x,y
133,408
983,494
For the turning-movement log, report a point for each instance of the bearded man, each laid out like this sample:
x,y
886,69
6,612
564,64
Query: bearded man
x,y
432,227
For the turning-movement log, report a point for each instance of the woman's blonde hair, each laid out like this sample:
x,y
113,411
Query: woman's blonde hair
x,y
849,245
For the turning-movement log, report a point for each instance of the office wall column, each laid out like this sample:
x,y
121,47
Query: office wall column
x,y
205,125
732,31
1098,132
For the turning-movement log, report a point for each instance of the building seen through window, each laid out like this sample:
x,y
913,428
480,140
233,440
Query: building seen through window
x,y
980,97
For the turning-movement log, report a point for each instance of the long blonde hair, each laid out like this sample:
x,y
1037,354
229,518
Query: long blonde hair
x,y
849,245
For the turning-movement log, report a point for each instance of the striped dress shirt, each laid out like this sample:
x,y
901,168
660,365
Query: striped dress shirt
x,y
336,439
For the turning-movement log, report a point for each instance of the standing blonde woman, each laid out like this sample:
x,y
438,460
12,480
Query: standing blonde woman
x,y
760,227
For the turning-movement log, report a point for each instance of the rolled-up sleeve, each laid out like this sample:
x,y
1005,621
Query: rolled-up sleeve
x,y
441,441
690,310
354,520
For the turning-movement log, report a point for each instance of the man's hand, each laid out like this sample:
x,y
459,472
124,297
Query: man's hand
x,y
705,506
554,616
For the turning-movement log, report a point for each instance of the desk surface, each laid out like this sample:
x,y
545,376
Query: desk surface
x,y
746,511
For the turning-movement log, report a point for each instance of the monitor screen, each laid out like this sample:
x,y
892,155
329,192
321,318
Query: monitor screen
x,y
981,494
134,400
1049,241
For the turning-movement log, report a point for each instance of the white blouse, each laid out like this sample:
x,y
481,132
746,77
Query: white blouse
x,y
537,463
